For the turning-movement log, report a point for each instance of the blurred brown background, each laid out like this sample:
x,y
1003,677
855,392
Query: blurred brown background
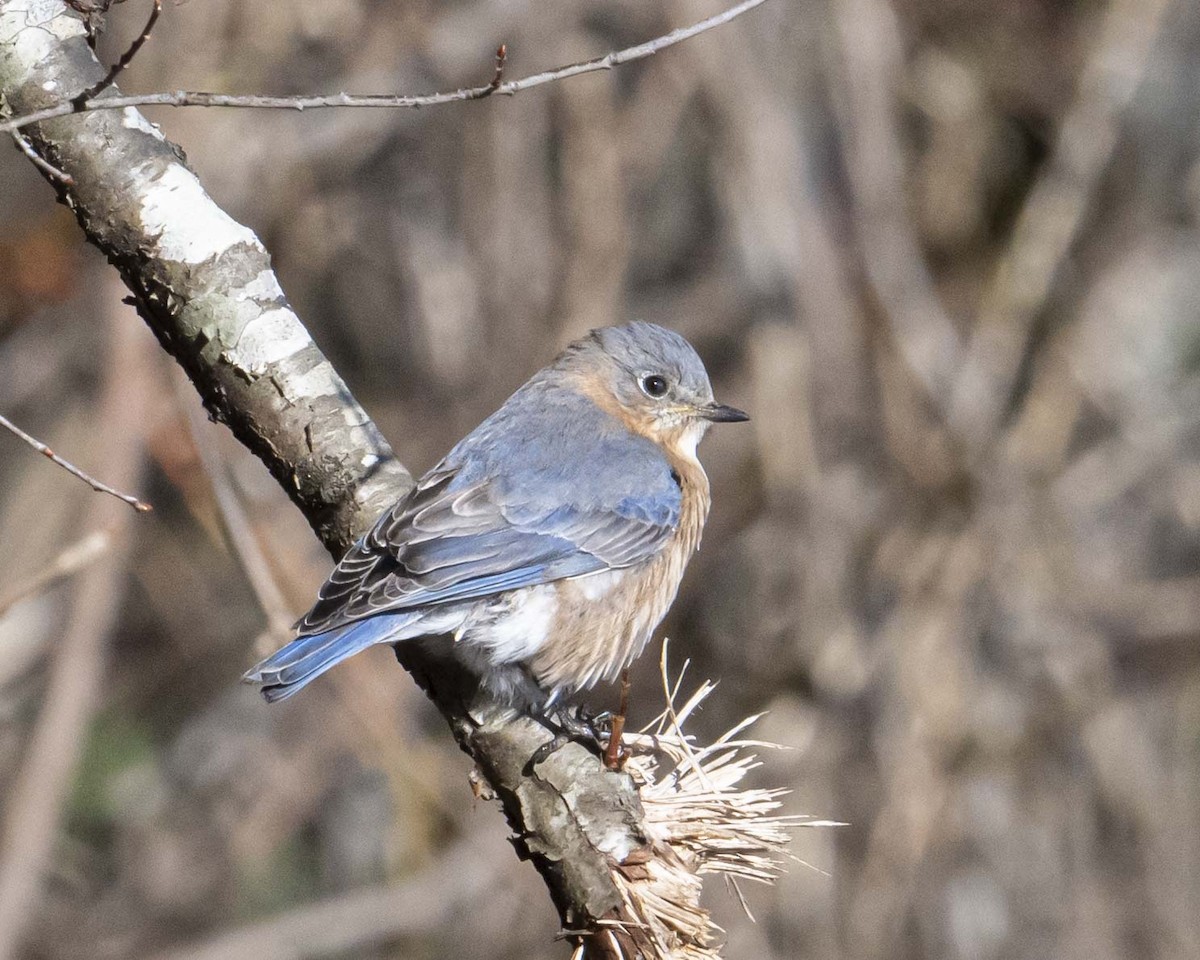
x,y
945,252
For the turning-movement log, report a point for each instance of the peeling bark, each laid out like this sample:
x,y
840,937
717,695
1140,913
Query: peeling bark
x,y
204,285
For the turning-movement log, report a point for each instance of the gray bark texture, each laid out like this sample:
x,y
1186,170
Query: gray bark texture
x,y
204,285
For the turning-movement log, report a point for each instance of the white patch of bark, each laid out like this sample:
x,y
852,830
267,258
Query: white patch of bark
x,y
267,338
131,119
32,30
188,226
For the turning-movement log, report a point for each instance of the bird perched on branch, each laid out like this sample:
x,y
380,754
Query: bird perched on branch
x,y
549,542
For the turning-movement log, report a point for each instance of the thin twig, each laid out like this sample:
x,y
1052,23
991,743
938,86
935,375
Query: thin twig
x,y
195,98
498,76
97,88
69,562
91,481
38,160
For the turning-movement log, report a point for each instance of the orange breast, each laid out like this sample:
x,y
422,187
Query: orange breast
x,y
604,620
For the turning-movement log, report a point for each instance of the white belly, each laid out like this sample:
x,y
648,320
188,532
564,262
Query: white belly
x,y
514,627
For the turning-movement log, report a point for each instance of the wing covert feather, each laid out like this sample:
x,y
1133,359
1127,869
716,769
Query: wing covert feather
x,y
548,487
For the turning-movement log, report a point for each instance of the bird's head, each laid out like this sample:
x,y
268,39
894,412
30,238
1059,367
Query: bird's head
x,y
651,379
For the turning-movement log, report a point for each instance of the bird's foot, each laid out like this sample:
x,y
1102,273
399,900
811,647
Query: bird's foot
x,y
572,725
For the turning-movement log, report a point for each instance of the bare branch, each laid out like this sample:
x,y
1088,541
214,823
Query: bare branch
x,y
100,85
501,56
196,98
38,160
91,481
203,283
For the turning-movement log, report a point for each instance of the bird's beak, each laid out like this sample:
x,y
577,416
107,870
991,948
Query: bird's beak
x,y
720,413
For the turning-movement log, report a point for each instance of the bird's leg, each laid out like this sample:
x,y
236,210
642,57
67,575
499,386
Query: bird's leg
x,y
614,755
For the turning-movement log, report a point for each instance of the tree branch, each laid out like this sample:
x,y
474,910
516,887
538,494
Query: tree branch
x,y
73,470
204,285
202,282
24,146
126,58
197,98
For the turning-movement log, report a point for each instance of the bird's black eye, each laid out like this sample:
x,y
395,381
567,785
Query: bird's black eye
x,y
654,386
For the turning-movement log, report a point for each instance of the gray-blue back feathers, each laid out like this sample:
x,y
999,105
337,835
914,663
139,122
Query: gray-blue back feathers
x,y
549,486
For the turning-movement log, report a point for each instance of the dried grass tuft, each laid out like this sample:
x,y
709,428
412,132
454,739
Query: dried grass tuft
x,y
699,820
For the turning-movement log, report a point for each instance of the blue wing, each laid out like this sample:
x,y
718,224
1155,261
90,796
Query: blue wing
x,y
548,487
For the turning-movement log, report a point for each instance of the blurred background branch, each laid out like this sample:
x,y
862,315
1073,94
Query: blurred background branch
x,y
1053,213
204,285
73,691
973,614
364,918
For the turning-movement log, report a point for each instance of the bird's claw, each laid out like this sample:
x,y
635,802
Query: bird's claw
x,y
596,725
578,725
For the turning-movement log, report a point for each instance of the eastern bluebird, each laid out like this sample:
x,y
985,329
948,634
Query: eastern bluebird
x,y
549,542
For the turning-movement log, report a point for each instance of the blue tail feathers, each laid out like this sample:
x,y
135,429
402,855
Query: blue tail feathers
x,y
293,667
